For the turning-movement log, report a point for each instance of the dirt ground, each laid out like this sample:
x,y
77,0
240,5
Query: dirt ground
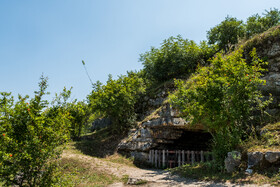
x,y
153,177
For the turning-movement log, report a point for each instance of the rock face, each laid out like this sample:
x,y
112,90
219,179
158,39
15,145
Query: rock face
x,y
272,157
164,129
268,48
255,160
232,161
262,160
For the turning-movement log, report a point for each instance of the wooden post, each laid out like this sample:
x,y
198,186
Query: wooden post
x,y
156,155
179,158
163,158
183,157
188,157
153,158
201,156
159,158
193,157
167,160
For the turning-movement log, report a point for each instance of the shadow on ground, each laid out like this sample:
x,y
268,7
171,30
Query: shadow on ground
x,y
100,143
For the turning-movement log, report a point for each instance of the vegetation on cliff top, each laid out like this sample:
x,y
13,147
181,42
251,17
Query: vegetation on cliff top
x,y
220,95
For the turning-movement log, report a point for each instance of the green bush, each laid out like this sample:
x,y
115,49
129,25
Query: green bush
x,y
226,33
223,97
78,112
116,100
176,57
256,24
30,139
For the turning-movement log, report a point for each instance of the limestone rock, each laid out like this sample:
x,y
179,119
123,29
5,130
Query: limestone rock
x,y
154,122
145,133
272,157
232,161
140,156
254,160
134,181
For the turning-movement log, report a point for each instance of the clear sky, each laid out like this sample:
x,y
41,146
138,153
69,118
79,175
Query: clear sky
x,y
53,36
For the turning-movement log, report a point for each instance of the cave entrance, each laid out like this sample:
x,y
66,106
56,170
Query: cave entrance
x,y
178,145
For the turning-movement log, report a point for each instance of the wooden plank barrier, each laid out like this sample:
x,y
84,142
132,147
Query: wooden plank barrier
x,y
174,158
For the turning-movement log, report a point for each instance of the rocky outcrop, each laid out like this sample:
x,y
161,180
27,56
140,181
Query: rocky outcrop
x,y
162,126
232,161
263,160
163,129
268,48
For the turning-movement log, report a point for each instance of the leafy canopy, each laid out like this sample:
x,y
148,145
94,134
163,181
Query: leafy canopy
x,y
116,100
222,97
257,24
30,139
176,57
226,33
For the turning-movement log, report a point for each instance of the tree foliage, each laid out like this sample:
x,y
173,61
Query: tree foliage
x,y
222,97
226,33
30,139
78,112
116,100
176,57
257,24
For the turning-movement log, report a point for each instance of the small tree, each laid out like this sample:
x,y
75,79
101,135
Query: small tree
x,y
226,33
116,100
78,112
256,24
30,139
176,57
222,97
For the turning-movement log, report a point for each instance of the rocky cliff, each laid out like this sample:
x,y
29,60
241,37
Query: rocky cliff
x,y
161,126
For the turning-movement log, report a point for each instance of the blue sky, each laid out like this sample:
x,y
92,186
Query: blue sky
x,y
53,37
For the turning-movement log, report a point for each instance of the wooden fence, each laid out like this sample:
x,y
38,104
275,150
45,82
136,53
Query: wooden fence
x,y
174,158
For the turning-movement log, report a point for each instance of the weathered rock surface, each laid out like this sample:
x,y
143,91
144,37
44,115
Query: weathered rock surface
x,y
255,159
272,157
163,128
263,160
232,161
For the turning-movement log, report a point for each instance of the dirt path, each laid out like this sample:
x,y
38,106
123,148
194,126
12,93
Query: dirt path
x,y
154,178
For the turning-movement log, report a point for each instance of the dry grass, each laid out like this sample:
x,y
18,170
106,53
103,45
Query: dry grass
x,y
87,162
76,172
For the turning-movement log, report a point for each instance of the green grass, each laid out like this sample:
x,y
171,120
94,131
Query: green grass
x,y
78,173
269,140
206,172
119,159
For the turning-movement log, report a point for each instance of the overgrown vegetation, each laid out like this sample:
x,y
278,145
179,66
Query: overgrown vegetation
x,y
116,100
231,30
208,172
268,140
223,97
221,93
30,139
175,58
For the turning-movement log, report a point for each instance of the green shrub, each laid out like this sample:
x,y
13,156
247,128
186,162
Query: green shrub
x,y
116,100
30,139
176,57
226,33
223,98
78,112
257,24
